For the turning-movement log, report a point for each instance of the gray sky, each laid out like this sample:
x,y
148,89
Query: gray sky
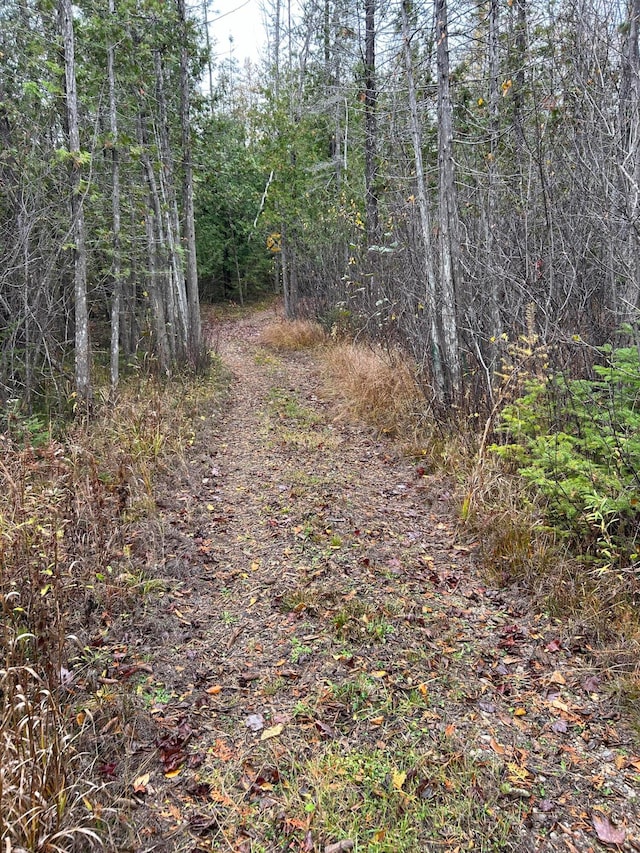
x,y
243,20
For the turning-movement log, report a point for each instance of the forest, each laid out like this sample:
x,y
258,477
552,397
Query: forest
x,y
403,243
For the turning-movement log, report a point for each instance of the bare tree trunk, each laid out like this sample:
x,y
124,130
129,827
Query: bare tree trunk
x,y
629,166
491,223
448,222
370,122
82,348
189,231
115,206
286,274
425,218
164,343
167,178
155,296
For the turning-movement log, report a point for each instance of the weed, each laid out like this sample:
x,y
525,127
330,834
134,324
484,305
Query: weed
x,y
358,619
375,386
299,600
274,686
64,556
299,650
288,407
293,335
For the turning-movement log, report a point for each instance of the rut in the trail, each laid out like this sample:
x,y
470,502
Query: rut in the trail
x,y
339,669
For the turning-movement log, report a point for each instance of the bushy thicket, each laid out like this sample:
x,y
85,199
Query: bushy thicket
x,y
577,442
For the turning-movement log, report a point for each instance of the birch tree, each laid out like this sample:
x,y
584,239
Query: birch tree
x,y
81,311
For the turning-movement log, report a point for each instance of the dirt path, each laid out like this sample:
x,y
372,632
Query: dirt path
x,y
329,667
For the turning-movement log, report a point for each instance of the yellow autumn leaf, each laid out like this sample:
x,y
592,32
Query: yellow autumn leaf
x,y
171,774
398,779
274,731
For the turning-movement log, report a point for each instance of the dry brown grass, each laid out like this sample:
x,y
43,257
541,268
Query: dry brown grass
x,y
517,546
376,387
65,509
290,335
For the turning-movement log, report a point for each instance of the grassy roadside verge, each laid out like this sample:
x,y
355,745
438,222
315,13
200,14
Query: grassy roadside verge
x,y
71,515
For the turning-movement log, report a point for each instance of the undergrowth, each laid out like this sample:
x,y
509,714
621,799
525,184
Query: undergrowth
x,y
290,335
375,386
65,508
554,506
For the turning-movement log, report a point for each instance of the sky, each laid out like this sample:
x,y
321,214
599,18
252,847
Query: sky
x,y
241,19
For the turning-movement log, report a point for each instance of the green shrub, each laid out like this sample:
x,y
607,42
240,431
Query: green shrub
x,y
577,442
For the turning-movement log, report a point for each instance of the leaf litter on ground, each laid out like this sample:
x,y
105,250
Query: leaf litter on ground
x,y
432,711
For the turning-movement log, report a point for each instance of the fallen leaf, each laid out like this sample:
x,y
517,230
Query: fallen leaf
x,y
339,846
498,748
560,727
213,691
274,731
379,673
450,729
520,712
557,678
326,729
591,684
398,779
140,784
171,774
606,831
377,721
554,646
255,722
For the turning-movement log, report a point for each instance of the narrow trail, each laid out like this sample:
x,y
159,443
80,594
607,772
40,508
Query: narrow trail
x,y
330,666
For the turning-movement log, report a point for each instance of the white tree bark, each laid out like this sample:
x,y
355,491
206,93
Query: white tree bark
x,y
449,245
431,284
82,347
189,230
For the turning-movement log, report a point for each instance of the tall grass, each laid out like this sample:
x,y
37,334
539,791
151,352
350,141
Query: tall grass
x,y
65,510
290,335
376,386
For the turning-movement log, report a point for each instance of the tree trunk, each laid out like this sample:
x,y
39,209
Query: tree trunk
x,y
629,166
115,207
172,215
82,348
158,267
449,242
189,231
491,224
431,288
370,123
